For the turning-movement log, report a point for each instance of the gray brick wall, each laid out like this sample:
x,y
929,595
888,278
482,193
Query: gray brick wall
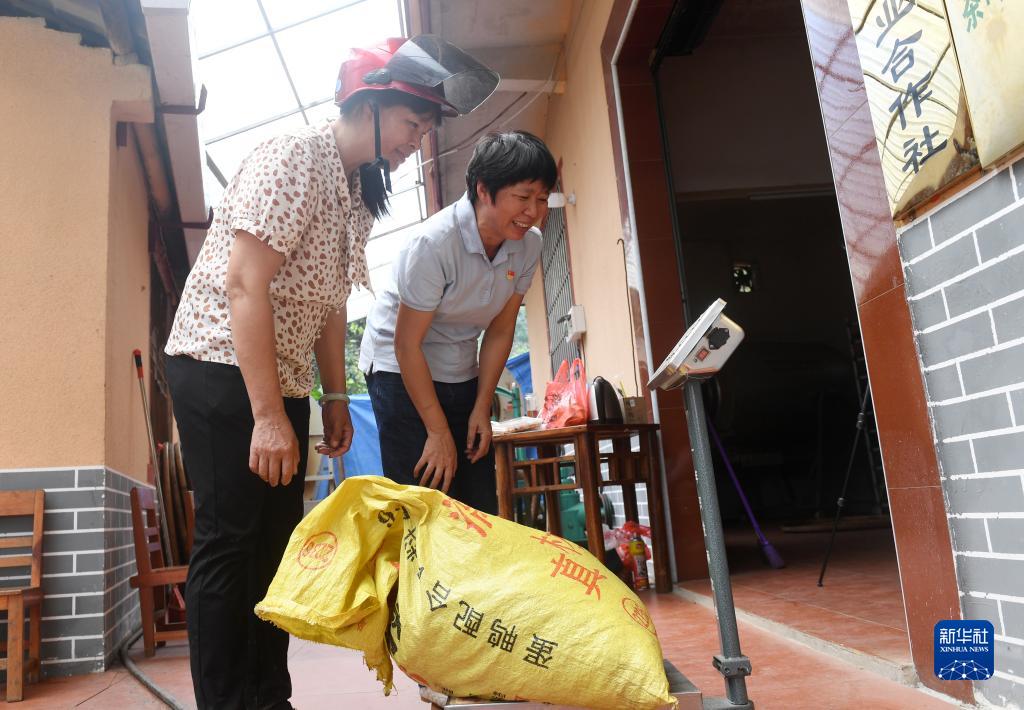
x,y
964,266
88,607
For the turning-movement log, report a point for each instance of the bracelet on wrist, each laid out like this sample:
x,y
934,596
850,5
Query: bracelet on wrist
x,y
334,397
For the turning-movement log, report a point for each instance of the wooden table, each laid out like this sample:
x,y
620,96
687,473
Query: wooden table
x,y
626,468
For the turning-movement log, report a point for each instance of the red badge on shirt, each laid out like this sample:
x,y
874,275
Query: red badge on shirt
x,y
510,274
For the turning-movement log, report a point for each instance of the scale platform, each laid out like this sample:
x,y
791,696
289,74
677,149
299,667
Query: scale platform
x,y
678,686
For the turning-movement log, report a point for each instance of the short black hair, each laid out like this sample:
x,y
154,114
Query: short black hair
x,y
503,159
375,197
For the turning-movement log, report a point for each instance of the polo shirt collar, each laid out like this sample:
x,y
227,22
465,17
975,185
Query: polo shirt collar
x,y
465,216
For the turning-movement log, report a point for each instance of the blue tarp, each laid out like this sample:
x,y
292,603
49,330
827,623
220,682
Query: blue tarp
x,y
519,366
363,459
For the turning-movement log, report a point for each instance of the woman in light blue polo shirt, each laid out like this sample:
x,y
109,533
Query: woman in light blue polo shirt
x,y
465,273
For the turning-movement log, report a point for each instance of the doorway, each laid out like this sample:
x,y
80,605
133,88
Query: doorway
x,y
757,224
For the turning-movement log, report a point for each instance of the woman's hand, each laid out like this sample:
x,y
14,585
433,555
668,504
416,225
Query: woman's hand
x,y
436,467
274,450
478,443
338,429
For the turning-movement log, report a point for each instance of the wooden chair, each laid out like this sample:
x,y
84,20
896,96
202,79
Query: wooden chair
x,y
17,600
153,576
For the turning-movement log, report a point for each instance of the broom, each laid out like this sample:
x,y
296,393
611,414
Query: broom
x,y
771,555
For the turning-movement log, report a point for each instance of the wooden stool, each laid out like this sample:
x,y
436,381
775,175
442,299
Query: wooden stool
x,y
154,576
626,469
17,600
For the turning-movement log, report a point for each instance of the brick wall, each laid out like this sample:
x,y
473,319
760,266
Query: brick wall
x,y
88,607
964,266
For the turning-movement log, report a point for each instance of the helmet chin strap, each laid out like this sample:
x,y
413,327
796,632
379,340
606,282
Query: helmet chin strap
x,y
380,163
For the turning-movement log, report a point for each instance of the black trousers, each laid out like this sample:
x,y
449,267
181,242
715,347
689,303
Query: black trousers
x,y
403,434
241,531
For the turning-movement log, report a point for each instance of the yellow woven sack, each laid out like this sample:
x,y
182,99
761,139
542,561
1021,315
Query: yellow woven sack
x,y
467,603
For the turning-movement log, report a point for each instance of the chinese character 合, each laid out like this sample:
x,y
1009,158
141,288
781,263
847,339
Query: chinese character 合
x,y
912,150
901,59
973,13
895,10
468,621
915,94
577,572
438,596
539,652
502,636
410,545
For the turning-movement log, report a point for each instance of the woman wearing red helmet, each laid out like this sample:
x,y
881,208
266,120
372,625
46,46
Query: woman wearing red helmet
x,y
267,291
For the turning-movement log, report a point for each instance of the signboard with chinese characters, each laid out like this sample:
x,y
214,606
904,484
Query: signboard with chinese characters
x,y
987,35
914,93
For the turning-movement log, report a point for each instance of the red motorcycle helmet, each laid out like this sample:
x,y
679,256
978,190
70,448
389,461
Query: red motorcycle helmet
x,y
425,66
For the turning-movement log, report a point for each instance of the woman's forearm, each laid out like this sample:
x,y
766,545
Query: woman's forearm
x,y
419,383
252,329
330,352
493,356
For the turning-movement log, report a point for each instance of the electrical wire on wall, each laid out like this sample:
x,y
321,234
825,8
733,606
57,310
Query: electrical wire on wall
x,y
629,310
494,122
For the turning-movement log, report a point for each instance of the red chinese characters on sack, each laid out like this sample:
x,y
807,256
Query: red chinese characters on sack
x,y
559,543
638,613
318,550
474,519
578,573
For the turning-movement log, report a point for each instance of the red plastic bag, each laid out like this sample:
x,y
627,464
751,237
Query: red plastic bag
x,y
566,402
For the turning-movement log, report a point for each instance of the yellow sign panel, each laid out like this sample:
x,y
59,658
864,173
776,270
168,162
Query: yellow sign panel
x,y
987,35
914,93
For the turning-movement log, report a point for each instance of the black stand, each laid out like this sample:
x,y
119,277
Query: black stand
x,y
861,416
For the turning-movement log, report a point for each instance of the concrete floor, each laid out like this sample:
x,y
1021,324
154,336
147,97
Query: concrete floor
x,y
787,675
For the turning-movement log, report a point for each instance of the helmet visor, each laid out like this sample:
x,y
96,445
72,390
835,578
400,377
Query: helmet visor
x,y
428,60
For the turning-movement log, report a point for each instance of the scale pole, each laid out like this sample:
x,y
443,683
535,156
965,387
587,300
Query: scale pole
x,y
732,664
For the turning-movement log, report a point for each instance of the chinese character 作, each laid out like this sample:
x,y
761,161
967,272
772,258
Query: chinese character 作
x,y
916,95
540,652
468,621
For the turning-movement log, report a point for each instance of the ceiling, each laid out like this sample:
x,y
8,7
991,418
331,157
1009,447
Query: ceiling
x,y
520,39
270,65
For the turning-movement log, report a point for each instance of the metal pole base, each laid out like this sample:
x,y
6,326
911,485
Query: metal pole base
x,y
731,663
726,704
